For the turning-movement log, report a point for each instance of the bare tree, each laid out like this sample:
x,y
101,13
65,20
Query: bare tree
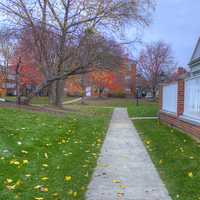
x,y
55,26
97,52
155,59
6,52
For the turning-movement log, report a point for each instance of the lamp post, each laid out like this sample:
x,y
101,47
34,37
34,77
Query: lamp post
x,y
137,96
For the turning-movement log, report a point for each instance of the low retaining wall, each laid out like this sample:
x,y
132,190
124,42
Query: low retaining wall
x,y
181,122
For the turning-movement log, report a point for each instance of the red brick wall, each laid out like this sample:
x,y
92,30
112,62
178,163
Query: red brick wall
x,y
181,94
177,121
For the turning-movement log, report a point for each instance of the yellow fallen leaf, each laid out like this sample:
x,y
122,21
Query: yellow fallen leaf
x,y
190,174
15,162
147,142
63,141
18,183
83,188
44,178
8,180
11,187
44,189
99,140
25,152
39,198
55,194
75,194
25,161
37,186
116,181
161,162
123,186
46,155
68,178
70,192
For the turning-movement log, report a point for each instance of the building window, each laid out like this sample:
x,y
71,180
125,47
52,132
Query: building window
x,y
127,77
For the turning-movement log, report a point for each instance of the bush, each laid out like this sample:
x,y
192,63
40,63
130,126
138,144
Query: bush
x,y
117,95
2,92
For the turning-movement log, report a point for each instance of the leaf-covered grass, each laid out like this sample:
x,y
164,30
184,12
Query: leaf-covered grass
x,y
48,157
176,156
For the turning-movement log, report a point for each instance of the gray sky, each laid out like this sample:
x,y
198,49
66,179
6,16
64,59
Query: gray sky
x,y
177,22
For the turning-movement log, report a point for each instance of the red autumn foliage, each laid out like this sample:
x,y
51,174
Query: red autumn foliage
x,y
73,86
104,80
30,74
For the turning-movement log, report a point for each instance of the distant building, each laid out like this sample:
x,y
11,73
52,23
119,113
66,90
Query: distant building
x,y
125,82
7,83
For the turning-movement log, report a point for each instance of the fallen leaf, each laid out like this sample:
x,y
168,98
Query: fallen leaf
x,y
68,178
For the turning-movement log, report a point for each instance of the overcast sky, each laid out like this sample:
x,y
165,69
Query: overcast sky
x,y
177,22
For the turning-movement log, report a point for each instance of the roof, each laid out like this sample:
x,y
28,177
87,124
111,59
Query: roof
x,y
196,54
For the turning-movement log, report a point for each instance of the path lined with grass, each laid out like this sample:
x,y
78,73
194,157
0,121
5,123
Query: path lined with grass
x,y
44,157
124,169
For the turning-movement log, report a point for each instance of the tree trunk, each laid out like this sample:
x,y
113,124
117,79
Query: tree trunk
x,y
154,93
83,89
100,92
52,93
17,79
59,93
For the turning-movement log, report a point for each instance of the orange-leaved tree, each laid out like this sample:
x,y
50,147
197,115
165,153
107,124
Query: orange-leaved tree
x,y
104,80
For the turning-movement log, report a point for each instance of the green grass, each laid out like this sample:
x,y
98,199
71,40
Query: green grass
x,y
37,146
176,156
38,100
144,109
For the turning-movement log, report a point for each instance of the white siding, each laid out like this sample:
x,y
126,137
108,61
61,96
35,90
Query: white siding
x,y
170,98
192,98
196,53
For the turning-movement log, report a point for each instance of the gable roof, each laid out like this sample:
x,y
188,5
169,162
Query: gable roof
x,y
196,54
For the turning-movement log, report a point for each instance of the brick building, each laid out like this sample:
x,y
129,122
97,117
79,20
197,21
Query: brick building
x,y
121,82
7,83
180,99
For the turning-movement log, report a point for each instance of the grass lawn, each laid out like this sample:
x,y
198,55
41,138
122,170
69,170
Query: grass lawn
x,y
176,156
38,100
45,157
145,108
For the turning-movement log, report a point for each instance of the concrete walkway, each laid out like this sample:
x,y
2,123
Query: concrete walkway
x,y
124,169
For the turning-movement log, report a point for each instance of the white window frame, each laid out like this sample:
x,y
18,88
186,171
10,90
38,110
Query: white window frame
x,y
170,98
192,98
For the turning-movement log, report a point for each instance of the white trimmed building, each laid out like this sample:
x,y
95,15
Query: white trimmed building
x,y
195,60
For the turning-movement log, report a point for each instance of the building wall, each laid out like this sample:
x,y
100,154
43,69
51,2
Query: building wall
x,y
178,120
124,82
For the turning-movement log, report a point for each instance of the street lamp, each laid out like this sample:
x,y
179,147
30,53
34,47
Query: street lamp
x,y
18,99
